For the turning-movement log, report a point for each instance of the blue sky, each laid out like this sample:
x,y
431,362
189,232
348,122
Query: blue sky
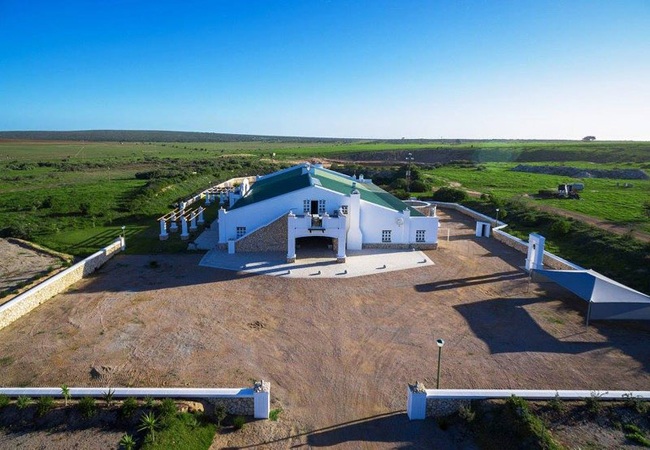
x,y
389,69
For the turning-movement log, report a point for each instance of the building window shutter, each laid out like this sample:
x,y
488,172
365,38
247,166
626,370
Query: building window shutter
x,y
420,235
386,236
241,231
306,206
321,206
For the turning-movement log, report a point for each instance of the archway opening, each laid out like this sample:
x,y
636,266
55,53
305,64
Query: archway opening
x,y
315,247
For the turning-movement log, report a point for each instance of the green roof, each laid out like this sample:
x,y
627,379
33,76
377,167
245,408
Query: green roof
x,y
293,179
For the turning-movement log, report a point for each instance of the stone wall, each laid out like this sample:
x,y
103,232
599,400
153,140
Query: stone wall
x,y
438,407
269,238
510,241
28,300
239,406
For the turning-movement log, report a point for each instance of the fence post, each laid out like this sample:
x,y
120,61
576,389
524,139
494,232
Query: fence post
x,y
416,403
261,399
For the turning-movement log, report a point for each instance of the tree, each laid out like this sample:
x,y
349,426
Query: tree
x,y
220,414
447,194
589,138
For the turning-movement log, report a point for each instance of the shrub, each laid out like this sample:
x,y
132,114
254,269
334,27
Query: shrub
x,y
4,400
127,442
528,427
636,403
167,408
108,397
561,227
129,405
148,401
419,186
399,184
275,414
451,195
44,405
635,434
400,193
149,423
87,407
557,404
593,404
467,413
220,413
443,423
239,422
65,391
23,402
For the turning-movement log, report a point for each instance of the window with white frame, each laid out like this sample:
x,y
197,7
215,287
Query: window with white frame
x,y
386,235
344,209
306,206
419,235
321,206
241,231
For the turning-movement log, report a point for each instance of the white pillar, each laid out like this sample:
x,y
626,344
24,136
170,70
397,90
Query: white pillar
x,y
182,207
184,234
122,243
221,198
222,225
482,229
208,199
535,259
231,246
193,222
173,228
340,251
201,220
291,238
416,403
261,399
163,230
355,238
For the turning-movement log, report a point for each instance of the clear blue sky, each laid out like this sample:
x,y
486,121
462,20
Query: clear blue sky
x,y
467,69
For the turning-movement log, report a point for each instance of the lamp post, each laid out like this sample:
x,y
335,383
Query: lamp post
x,y
123,231
409,159
440,343
497,214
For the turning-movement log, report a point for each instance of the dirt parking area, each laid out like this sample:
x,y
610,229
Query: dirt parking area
x,y
339,352
21,264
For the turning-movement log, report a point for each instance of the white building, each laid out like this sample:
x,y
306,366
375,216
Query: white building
x,y
309,201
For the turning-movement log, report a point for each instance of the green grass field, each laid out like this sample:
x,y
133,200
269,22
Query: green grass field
x,y
601,198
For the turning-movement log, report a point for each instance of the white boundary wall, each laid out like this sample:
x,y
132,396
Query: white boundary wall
x,y
441,402
42,292
260,394
550,260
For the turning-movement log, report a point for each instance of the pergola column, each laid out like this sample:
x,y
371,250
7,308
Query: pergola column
x,y
184,234
201,220
208,198
193,222
173,228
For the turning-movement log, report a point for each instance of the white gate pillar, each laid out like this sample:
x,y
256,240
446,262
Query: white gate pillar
x,y
201,220
482,229
173,227
193,222
163,230
208,198
416,403
261,399
535,259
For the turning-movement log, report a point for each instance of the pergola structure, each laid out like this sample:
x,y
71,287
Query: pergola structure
x,y
192,216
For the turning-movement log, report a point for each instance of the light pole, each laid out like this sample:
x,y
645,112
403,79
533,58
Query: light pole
x,y
497,214
123,231
409,159
440,343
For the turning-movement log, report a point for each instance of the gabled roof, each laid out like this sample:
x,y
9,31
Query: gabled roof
x,y
299,177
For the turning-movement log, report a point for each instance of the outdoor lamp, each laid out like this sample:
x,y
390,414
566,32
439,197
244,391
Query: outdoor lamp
x,y
440,343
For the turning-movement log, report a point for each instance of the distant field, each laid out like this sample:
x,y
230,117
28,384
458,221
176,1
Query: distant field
x,y
601,198
74,196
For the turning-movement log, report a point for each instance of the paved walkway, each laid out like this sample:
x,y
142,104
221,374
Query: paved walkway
x,y
318,264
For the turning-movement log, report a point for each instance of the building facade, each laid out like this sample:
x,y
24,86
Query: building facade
x,y
309,201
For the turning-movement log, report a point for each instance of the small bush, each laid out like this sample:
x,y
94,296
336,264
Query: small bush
x,y
399,184
561,227
23,402
443,423
167,408
635,434
220,413
593,404
275,414
129,405
108,397
466,413
148,401
557,404
87,407
636,403
4,400
127,442
451,195
239,422
44,405
419,186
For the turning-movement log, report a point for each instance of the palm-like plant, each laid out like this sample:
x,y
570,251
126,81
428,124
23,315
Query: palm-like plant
x,y
108,396
65,391
149,423
127,442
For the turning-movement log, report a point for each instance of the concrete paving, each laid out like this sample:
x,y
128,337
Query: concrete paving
x,y
315,264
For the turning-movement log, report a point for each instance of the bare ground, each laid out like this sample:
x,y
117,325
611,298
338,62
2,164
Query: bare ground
x,y
338,352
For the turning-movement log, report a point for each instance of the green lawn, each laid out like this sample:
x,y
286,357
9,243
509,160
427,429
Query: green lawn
x,y
601,198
